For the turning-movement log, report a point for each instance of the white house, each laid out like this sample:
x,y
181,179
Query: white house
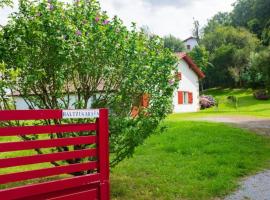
x,y
190,43
186,97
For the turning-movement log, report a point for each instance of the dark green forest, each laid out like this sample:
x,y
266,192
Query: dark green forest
x,y
234,47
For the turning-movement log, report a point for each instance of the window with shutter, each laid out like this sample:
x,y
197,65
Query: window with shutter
x,y
134,111
145,100
180,97
190,98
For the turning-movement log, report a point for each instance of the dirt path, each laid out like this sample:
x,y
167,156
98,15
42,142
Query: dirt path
x,y
255,187
260,126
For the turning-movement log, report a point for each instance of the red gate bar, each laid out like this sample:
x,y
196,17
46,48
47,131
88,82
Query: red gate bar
x,y
84,187
36,144
29,130
28,160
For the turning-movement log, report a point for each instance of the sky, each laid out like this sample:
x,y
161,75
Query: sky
x,y
163,17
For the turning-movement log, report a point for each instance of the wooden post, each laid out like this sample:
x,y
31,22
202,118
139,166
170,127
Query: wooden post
x,y
103,153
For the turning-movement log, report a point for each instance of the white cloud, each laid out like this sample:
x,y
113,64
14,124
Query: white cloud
x,y
163,17
166,16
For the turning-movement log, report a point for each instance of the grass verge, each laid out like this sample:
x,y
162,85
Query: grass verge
x,y
190,160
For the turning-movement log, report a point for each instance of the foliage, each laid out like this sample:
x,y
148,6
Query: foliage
x,y
261,63
261,95
207,101
69,55
230,49
196,29
220,19
173,43
5,3
254,15
200,56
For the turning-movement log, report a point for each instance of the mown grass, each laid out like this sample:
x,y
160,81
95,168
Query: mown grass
x,y
190,160
247,105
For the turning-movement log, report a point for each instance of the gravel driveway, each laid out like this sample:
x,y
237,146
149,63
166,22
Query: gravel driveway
x,y
260,126
255,187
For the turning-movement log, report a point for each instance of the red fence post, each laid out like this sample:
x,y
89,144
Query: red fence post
x,y
103,153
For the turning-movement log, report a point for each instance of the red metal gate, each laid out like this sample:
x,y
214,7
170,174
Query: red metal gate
x,y
85,187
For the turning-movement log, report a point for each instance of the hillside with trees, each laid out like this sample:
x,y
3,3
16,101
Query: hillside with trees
x,y
236,47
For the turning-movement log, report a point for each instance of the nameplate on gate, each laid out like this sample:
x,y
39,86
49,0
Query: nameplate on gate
x,y
79,114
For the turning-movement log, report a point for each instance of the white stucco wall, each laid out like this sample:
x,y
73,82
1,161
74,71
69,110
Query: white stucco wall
x,y
22,105
188,83
192,42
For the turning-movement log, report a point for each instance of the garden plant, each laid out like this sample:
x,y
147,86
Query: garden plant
x,y
51,51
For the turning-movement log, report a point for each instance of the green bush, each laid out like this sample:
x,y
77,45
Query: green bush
x,y
51,50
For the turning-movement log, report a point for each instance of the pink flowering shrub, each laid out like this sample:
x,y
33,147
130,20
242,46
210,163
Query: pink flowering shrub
x,y
75,49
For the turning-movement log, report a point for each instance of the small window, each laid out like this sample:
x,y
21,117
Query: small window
x,y
188,47
185,98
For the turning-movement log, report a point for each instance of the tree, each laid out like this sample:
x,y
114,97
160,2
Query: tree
x,y
261,63
173,43
5,3
51,51
230,49
201,57
220,19
253,15
196,29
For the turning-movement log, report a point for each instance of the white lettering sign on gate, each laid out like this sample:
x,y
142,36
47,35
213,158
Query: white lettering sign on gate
x,y
78,114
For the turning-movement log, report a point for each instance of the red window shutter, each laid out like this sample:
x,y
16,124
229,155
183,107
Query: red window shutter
x,y
134,111
180,97
190,97
145,100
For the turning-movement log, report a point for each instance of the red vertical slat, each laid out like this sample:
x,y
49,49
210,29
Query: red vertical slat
x,y
134,111
145,100
103,153
190,98
180,97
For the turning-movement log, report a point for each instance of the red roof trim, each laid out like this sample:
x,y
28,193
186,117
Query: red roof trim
x,y
191,64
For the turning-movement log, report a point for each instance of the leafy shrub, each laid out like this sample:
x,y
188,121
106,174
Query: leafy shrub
x,y
207,101
52,51
233,100
261,94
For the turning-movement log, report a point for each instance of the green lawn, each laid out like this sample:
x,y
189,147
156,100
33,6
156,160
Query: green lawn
x,y
247,105
190,160
196,160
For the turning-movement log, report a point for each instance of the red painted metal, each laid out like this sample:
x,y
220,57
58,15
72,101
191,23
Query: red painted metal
x,y
20,176
7,115
90,186
35,144
51,187
27,130
103,153
28,160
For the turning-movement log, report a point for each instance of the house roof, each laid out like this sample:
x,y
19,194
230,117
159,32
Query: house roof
x,y
192,65
189,38
71,89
